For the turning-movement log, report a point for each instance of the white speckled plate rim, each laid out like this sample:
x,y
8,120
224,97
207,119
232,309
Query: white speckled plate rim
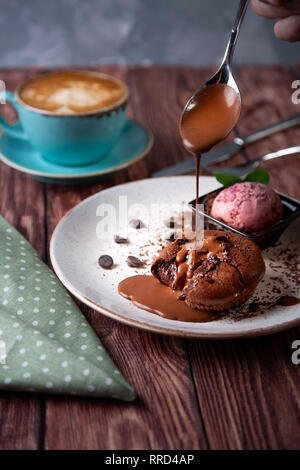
x,y
75,249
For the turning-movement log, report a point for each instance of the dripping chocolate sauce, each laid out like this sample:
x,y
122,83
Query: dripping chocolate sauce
x,y
197,157
206,121
147,293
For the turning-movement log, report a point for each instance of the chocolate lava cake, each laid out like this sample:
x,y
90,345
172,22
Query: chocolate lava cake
x,y
222,273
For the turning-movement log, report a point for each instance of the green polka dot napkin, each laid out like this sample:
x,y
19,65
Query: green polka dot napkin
x,y
46,344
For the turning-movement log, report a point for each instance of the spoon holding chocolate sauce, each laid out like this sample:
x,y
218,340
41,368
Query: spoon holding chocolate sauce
x,y
213,110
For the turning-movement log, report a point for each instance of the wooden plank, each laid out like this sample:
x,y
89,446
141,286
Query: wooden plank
x,y
22,204
166,414
267,96
248,392
248,389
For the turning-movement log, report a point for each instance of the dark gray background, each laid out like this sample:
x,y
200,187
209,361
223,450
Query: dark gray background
x,y
94,32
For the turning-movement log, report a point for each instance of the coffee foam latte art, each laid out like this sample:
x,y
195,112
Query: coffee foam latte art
x,y
71,93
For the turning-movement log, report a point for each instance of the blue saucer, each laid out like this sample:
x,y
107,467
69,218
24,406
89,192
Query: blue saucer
x,y
134,143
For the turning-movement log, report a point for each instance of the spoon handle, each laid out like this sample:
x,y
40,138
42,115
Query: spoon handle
x,y
243,5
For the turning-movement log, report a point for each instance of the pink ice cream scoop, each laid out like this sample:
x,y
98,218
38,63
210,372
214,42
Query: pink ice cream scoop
x,y
249,207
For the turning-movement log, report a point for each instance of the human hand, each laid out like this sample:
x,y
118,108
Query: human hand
x,y
287,12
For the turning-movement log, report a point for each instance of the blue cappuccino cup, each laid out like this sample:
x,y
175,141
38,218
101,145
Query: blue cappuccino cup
x,y
71,138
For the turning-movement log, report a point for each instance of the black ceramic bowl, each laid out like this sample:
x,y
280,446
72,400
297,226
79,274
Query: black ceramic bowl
x,y
265,238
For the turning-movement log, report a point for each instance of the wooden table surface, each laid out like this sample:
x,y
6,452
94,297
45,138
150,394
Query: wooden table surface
x,y
192,394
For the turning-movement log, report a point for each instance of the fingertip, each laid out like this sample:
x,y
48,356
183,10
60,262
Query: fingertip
x,y
288,29
278,31
270,9
256,6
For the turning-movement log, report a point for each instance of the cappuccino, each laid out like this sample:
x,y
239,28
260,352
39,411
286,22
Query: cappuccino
x,y
72,92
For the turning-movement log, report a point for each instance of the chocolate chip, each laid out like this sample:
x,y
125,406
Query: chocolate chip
x,y
134,262
136,223
105,261
171,237
120,240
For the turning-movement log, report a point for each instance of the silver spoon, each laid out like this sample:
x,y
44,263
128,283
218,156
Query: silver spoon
x,y
224,74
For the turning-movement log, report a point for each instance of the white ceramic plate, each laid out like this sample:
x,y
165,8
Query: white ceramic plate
x,y
75,249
